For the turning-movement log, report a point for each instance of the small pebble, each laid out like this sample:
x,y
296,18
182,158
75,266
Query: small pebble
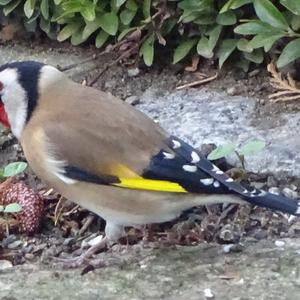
x,y
232,91
14,245
271,181
5,264
132,100
279,243
274,190
208,293
293,187
254,72
291,219
69,241
289,193
8,240
95,240
133,72
227,248
29,256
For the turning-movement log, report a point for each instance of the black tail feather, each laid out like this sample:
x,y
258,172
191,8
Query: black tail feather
x,y
249,194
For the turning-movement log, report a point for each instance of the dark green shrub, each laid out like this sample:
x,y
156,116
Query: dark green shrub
x,y
213,29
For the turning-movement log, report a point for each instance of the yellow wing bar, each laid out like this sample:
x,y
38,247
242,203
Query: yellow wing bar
x,y
151,185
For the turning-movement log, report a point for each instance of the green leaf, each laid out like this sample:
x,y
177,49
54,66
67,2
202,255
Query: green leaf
x,y
67,31
90,28
13,208
147,50
290,53
203,48
126,16
205,45
45,9
125,32
147,8
267,12
264,40
131,5
183,49
292,5
255,27
29,8
243,45
77,37
252,148
88,12
101,38
57,2
226,48
295,22
1,208
45,25
109,22
233,4
14,168
119,3
214,35
226,18
4,2
221,151
256,56
31,25
11,7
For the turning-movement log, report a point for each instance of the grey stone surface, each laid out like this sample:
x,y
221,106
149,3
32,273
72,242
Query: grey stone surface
x,y
207,116
263,271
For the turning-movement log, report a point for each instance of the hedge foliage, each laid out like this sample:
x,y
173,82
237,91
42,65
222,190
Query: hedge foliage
x,y
245,29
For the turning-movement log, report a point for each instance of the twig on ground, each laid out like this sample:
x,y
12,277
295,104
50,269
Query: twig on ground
x,y
197,82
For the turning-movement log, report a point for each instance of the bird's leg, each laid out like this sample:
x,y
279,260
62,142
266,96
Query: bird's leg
x,y
112,233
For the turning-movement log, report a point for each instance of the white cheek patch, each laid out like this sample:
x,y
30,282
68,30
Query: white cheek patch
x,y
15,101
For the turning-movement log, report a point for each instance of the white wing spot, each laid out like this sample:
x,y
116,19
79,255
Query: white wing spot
x,y
229,180
189,168
207,181
219,172
262,193
176,144
216,184
215,168
245,191
195,157
168,155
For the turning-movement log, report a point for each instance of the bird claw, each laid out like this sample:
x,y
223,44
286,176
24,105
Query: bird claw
x,y
84,258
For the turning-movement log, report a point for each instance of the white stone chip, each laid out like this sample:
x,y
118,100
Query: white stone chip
x,y
208,293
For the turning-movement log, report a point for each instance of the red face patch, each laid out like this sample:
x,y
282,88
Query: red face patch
x,y
3,116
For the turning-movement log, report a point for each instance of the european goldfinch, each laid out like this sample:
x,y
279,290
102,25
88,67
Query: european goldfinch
x,y
109,157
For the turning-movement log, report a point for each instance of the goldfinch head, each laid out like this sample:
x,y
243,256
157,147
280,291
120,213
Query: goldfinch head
x,y
20,86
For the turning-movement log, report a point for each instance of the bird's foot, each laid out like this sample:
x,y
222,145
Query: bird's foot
x,y
83,259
